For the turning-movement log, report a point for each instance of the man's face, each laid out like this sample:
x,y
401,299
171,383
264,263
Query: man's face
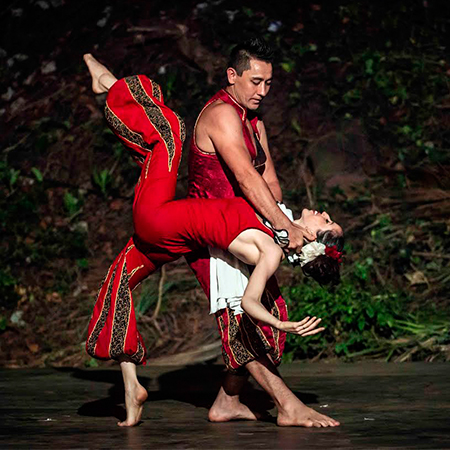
x,y
254,84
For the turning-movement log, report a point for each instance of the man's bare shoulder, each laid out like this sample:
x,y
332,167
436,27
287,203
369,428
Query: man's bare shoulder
x,y
219,113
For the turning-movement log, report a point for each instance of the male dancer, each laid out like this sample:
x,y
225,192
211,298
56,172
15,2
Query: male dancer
x,y
229,156
131,267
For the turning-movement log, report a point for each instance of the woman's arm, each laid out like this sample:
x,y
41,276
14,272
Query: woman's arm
x,y
257,248
251,301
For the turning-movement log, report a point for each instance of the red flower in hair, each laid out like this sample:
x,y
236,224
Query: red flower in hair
x,y
333,252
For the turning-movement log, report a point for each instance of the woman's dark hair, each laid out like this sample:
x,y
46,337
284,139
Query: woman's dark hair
x,y
252,49
324,269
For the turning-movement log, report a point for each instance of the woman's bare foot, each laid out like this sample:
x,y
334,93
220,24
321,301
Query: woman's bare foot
x,y
102,78
134,403
303,416
135,393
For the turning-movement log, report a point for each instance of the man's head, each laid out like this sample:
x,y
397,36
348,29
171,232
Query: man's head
x,y
250,72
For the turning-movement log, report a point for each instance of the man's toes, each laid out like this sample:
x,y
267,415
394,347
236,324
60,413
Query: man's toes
x,y
324,421
331,422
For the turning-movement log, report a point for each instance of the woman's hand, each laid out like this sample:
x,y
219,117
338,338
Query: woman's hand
x,y
306,327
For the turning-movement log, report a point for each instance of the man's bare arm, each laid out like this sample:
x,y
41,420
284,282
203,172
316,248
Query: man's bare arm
x,y
225,132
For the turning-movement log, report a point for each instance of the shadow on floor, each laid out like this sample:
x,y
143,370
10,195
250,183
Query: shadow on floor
x,y
197,385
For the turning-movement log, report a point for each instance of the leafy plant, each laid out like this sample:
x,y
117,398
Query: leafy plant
x,y
103,180
38,174
72,204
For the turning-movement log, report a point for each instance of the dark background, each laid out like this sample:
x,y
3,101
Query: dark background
x,y
358,124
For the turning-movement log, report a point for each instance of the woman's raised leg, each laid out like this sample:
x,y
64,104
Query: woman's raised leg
x,y
102,78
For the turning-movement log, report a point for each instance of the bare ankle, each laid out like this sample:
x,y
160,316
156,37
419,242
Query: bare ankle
x,y
106,80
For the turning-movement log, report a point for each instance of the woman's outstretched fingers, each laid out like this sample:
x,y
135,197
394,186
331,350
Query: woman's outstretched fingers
x,y
302,322
317,330
304,327
311,324
307,321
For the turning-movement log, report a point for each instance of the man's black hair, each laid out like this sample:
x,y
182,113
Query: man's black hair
x,y
254,48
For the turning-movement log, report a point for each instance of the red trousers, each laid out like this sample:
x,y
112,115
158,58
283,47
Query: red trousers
x,y
164,229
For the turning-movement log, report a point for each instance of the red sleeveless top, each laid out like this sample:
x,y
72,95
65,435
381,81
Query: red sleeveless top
x,y
209,176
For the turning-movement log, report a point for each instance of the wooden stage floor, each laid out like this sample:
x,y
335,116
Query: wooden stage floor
x,y
380,406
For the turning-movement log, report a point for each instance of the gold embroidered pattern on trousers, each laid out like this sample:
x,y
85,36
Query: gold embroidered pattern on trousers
x,y
154,114
139,355
240,354
121,315
226,358
92,340
125,133
156,90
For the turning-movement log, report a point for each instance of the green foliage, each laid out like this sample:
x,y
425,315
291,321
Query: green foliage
x,y
38,174
13,177
91,363
83,263
103,180
148,298
28,241
362,269
359,322
387,303
72,204
394,90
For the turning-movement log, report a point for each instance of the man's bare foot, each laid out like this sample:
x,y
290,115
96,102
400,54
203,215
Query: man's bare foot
x,y
134,403
302,416
102,78
238,411
228,407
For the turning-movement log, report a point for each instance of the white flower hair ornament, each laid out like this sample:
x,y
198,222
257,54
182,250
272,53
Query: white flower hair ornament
x,y
311,251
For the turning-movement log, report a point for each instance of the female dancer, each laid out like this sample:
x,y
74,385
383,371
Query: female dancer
x,y
167,229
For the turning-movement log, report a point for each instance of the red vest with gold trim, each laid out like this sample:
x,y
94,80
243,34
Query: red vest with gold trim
x,y
209,176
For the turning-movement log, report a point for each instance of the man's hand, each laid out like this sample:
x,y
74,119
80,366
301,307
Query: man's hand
x,y
306,327
296,236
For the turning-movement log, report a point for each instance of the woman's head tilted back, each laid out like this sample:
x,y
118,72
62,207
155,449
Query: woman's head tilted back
x,y
321,259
